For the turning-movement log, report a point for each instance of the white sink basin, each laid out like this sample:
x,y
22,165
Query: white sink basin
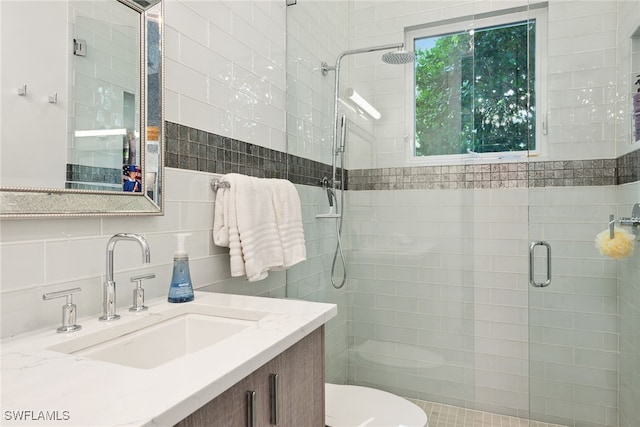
x,y
154,340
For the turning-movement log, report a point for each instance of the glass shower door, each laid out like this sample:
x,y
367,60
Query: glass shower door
x,y
574,295
572,321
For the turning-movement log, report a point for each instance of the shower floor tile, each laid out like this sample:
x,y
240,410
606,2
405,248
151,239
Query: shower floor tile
x,y
452,416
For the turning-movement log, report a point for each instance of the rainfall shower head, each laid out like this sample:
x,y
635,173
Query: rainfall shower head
x,y
399,56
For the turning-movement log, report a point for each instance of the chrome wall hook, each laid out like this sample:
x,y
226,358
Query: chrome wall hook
x,y
53,99
22,91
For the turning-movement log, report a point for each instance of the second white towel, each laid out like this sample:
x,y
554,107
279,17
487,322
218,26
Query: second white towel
x,y
260,221
286,204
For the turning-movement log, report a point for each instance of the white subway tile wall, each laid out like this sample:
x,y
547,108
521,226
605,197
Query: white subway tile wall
x,y
226,69
316,34
39,256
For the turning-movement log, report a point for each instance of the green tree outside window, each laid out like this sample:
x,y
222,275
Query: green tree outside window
x,y
475,91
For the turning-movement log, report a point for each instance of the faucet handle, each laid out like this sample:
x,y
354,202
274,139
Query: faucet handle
x,y
138,292
68,310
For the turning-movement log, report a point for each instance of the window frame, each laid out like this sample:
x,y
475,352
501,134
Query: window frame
x,y
469,23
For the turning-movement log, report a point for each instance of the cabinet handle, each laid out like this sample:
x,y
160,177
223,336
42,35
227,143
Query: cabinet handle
x,y
251,409
273,398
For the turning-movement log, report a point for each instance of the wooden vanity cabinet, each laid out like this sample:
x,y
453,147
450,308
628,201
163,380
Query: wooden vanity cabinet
x,y
300,392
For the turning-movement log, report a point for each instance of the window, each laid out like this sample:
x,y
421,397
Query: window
x,y
477,91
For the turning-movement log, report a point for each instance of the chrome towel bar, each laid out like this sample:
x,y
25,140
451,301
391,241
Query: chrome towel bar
x,y
216,184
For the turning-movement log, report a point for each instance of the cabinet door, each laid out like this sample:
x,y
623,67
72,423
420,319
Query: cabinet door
x,y
300,398
228,410
301,382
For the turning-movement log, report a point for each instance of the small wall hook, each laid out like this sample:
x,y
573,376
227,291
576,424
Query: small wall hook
x,y
22,91
53,99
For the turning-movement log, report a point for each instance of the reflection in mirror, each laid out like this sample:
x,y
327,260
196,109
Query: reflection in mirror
x,y
103,148
85,117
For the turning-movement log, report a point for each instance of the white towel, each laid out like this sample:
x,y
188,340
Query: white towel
x,y
286,204
248,227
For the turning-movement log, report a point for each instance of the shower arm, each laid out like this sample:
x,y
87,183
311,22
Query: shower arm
x,y
325,69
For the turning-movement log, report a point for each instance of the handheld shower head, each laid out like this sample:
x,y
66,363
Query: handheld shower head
x,y
399,56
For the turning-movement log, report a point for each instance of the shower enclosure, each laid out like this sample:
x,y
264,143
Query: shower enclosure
x,y
438,304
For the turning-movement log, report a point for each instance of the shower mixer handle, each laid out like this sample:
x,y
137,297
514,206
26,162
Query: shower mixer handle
x,y
331,195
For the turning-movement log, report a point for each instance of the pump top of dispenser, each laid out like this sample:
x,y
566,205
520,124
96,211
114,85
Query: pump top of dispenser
x,y
181,251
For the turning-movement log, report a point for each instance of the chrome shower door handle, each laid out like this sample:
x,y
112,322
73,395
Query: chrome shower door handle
x,y
532,280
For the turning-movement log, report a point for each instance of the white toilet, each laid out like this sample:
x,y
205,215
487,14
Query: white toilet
x,y
355,406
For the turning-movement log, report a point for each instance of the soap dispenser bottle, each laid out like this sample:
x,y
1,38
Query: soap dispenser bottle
x,y
181,289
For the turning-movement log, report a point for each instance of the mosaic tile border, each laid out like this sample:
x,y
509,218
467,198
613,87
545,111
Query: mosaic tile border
x,y
495,175
628,167
193,149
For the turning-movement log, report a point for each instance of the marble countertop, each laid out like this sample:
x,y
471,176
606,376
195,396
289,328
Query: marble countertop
x,y
45,387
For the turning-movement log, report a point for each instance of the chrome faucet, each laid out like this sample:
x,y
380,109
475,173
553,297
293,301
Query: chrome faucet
x,y
109,287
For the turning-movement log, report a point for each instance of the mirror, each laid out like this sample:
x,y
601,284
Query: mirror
x,y
82,112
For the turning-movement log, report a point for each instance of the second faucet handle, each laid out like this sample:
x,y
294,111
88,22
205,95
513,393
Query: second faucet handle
x,y
138,292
